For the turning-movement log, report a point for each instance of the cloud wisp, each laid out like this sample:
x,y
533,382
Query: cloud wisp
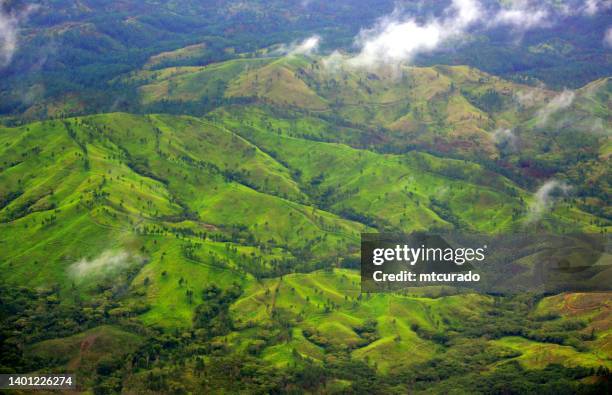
x,y
532,97
521,16
398,38
558,103
608,37
107,263
545,197
506,139
394,39
308,46
10,22
592,7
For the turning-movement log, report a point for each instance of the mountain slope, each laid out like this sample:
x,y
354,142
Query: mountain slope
x,y
84,198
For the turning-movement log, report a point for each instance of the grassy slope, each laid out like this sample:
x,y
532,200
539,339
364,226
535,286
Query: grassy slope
x,y
139,183
431,105
452,110
329,307
400,187
286,189
151,185
189,83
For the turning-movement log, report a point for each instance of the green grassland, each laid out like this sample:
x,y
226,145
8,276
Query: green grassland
x,y
330,310
453,111
184,84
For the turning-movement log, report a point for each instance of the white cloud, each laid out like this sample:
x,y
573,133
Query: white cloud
x,y
395,39
465,13
398,38
396,42
9,28
531,97
545,197
108,262
8,37
333,61
558,103
608,37
307,47
592,7
521,16
506,139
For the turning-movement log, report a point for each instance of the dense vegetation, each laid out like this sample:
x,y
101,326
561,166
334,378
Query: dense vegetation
x,y
181,206
72,52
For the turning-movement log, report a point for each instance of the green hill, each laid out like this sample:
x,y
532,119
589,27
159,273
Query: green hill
x,y
236,234
524,132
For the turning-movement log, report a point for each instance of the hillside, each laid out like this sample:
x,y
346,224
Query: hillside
x,y
185,185
153,209
523,132
69,50
230,178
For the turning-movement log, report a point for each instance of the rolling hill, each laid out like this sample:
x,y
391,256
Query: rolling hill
x,y
232,238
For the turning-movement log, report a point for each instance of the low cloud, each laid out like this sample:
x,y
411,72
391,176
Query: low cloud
x,y
10,22
531,97
558,103
395,39
307,47
107,263
398,38
334,61
505,139
608,37
592,7
521,16
545,197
